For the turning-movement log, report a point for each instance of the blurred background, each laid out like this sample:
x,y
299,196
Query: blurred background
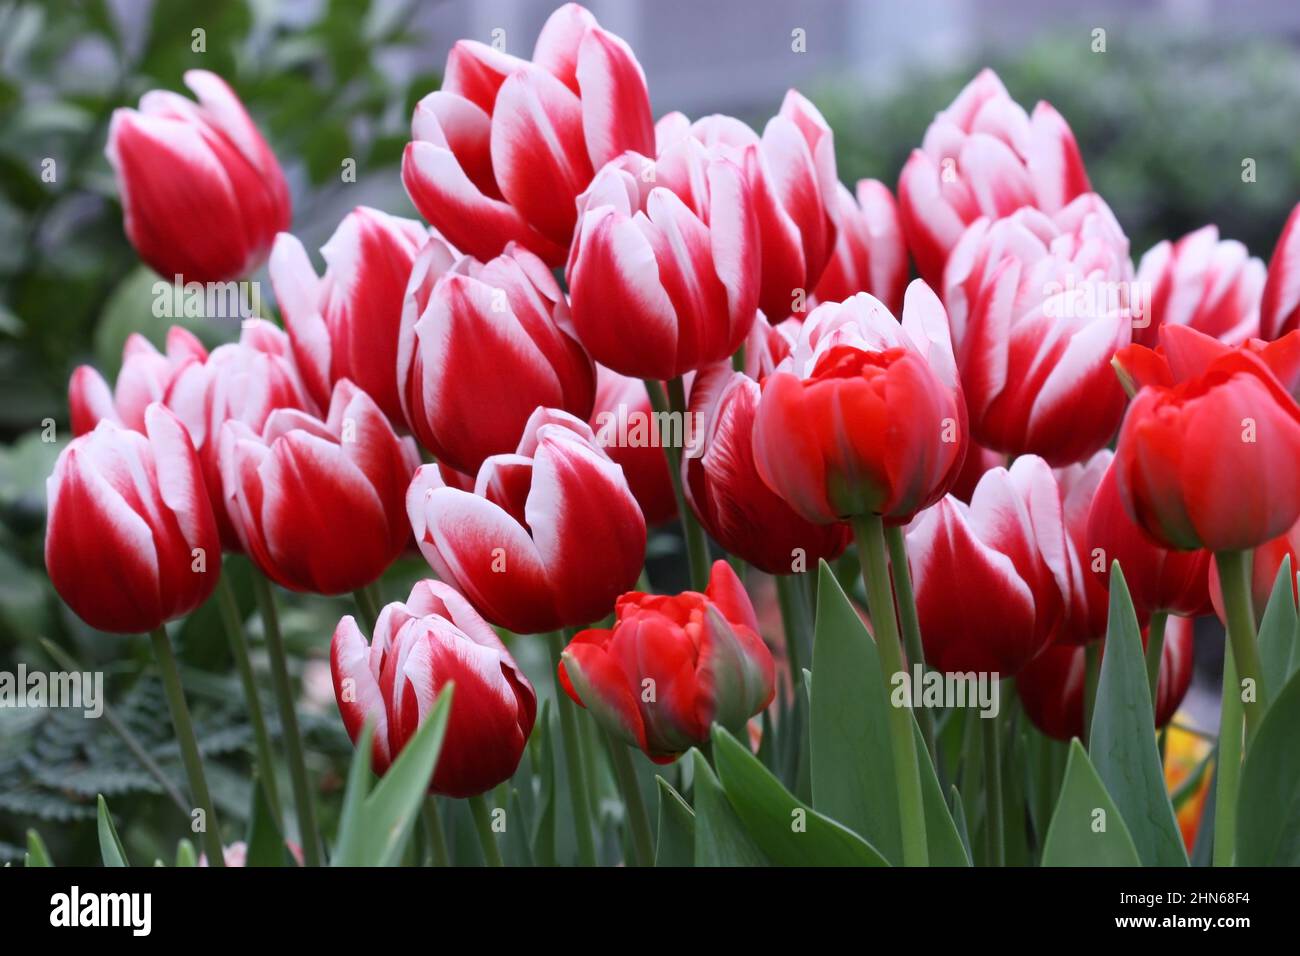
x,y
1184,91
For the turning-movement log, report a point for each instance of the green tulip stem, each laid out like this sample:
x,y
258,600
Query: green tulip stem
x,y
869,531
905,598
483,825
366,605
307,830
189,745
234,626
993,789
1234,582
1155,649
638,817
433,830
697,548
573,757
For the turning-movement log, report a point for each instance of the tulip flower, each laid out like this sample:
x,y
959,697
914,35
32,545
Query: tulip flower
x,y
1158,579
481,346
318,505
1266,562
992,577
500,152
1184,353
202,193
433,639
621,400
661,272
1203,283
1051,687
870,254
1214,461
722,485
866,416
549,537
1279,311
241,381
672,666
1088,602
345,324
1039,304
144,378
131,542
983,156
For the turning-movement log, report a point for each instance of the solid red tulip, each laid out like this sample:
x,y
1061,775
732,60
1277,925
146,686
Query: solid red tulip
x,y
1051,688
991,578
865,417
433,639
722,485
1201,282
672,666
202,193
501,150
144,378
662,271
1184,353
983,156
131,541
1158,579
870,254
1214,461
482,345
1039,305
548,538
623,401
319,505
345,324
242,381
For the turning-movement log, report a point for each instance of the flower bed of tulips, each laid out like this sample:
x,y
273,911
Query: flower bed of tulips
x,y
911,513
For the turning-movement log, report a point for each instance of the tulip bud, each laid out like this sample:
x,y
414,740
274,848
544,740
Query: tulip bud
x,y
991,578
1039,305
131,541
482,345
672,666
870,254
661,269
722,483
983,156
865,416
318,504
620,400
1202,283
1051,687
549,537
1212,462
500,152
435,638
241,381
202,193
144,378
346,323
1158,579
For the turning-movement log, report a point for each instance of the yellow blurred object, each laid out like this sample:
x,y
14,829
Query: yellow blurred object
x,y
1184,752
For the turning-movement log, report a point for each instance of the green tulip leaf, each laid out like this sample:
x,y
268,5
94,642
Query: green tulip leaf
x,y
1087,828
1123,742
1277,630
720,837
789,832
110,844
1268,808
346,848
185,855
676,843
37,853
